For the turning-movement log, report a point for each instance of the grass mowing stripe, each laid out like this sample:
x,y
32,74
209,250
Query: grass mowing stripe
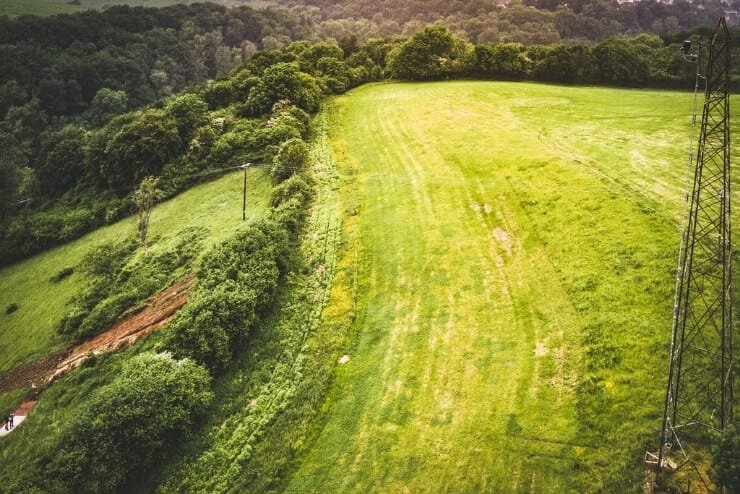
x,y
514,298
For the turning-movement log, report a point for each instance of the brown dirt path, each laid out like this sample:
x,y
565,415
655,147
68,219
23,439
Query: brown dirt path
x,y
157,311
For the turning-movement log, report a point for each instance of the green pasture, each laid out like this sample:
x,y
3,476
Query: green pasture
x,y
516,249
28,332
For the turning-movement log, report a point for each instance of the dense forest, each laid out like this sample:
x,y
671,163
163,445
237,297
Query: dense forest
x,y
87,108
527,21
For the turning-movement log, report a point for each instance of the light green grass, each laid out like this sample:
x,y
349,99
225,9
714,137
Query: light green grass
x,y
517,255
29,332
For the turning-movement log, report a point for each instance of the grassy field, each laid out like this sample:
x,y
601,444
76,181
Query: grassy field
x,y
29,332
517,255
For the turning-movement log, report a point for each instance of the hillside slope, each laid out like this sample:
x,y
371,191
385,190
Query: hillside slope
x,y
518,245
29,331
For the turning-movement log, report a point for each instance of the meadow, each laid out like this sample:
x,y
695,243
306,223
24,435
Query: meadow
x,y
28,333
482,303
517,246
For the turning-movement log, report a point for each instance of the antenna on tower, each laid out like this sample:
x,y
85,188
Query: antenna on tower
x,y
699,392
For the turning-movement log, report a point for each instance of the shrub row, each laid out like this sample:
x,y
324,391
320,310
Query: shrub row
x,y
237,282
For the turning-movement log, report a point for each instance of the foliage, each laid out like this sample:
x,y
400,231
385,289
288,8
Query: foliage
x,y
106,104
284,81
290,159
275,388
119,280
11,308
502,61
213,208
189,111
725,465
62,275
140,146
432,53
64,160
128,425
237,282
145,197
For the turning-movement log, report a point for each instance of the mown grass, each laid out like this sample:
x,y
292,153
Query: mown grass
x,y
517,260
28,333
264,408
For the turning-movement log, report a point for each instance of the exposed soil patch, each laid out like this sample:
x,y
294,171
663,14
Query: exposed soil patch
x,y
157,311
503,237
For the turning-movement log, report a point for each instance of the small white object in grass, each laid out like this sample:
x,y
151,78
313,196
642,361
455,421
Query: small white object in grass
x,y
344,359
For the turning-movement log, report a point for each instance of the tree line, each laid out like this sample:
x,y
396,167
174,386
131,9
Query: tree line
x,y
80,164
522,21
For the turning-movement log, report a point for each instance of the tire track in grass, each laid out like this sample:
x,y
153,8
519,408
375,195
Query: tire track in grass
x,y
444,389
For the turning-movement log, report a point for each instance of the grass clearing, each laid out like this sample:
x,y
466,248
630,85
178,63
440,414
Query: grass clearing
x,y
517,256
28,333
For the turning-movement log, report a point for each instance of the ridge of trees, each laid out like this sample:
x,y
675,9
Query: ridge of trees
x,y
523,21
79,164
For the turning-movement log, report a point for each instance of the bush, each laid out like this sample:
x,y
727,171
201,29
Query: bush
x,y
62,275
11,308
296,186
237,282
129,425
290,159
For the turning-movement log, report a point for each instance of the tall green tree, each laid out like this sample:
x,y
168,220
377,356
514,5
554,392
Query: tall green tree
x,y
145,197
432,53
283,81
64,161
139,146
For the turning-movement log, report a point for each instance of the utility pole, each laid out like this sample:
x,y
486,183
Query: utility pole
x,y
244,167
699,395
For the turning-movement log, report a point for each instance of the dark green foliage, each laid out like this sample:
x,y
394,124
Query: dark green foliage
x,y
567,64
284,81
11,308
235,145
64,160
297,186
63,274
504,61
107,260
726,459
433,53
128,425
106,104
619,62
190,113
237,282
140,147
290,159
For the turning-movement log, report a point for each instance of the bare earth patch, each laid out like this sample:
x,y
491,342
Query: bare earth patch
x,y
503,237
157,311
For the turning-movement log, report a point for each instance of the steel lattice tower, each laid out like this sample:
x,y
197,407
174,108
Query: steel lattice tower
x,y
699,391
